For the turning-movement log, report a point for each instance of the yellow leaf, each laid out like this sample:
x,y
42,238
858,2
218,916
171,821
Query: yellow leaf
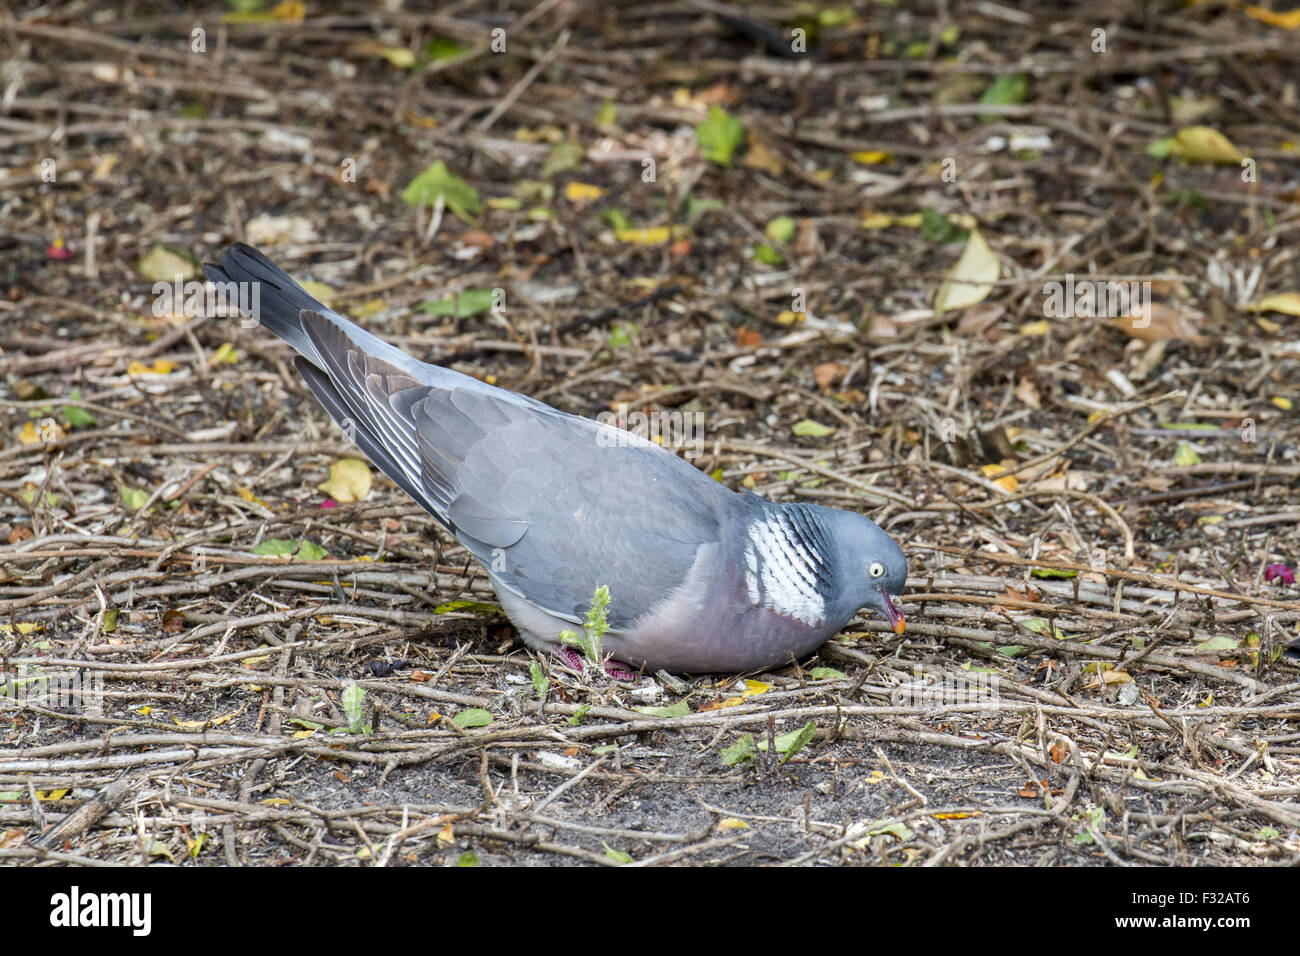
x,y
1007,483
225,355
159,367
319,291
31,434
51,794
1035,328
252,498
302,735
146,710
877,220
582,192
1204,144
446,837
1288,303
349,480
195,845
226,718
24,627
1209,519
1287,21
875,776
190,724
873,157
791,318
960,815
652,236
912,220
289,10
276,802
732,823
399,56
971,279
1282,403
755,687
368,308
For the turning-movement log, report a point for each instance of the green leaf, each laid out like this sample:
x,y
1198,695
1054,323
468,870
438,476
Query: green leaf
x,y
616,219
470,302
695,208
895,828
743,749
767,255
436,180
578,714
110,620
719,135
936,228
793,742
354,699
827,673
1053,573
1161,148
563,157
1185,454
781,229
1190,426
472,717
1040,625
619,337
273,547
1010,650
468,858
443,48
680,709
474,607
134,498
811,429
1219,643
607,115
310,551
1006,90
77,417
617,855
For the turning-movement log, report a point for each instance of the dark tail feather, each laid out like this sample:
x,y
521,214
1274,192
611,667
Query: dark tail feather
x,y
334,402
278,298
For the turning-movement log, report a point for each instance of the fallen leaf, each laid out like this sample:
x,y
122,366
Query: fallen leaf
x,y
828,373
162,264
1204,144
1288,303
811,429
349,480
1162,323
971,279
581,193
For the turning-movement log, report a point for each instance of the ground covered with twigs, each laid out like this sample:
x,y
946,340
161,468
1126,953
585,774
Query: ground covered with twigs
x,y
685,213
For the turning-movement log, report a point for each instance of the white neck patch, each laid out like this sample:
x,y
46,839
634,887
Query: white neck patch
x,y
781,573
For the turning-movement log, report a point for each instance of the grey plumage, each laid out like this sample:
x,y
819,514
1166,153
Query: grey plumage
x,y
701,578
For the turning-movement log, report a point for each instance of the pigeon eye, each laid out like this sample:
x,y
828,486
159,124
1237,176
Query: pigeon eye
x,y
876,570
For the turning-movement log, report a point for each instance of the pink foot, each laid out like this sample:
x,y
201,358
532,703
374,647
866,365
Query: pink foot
x,y
619,671
615,669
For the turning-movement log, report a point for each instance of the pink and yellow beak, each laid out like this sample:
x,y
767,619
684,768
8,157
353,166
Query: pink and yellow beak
x,y
894,614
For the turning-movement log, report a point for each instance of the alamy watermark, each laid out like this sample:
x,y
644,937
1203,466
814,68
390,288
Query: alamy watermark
x,y
935,690
217,300
1090,299
78,690
674,430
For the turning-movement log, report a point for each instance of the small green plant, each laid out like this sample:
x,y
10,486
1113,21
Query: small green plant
x,y
354,699
593,628
541,683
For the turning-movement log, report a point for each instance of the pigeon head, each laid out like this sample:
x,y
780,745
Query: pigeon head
x,y
876,568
